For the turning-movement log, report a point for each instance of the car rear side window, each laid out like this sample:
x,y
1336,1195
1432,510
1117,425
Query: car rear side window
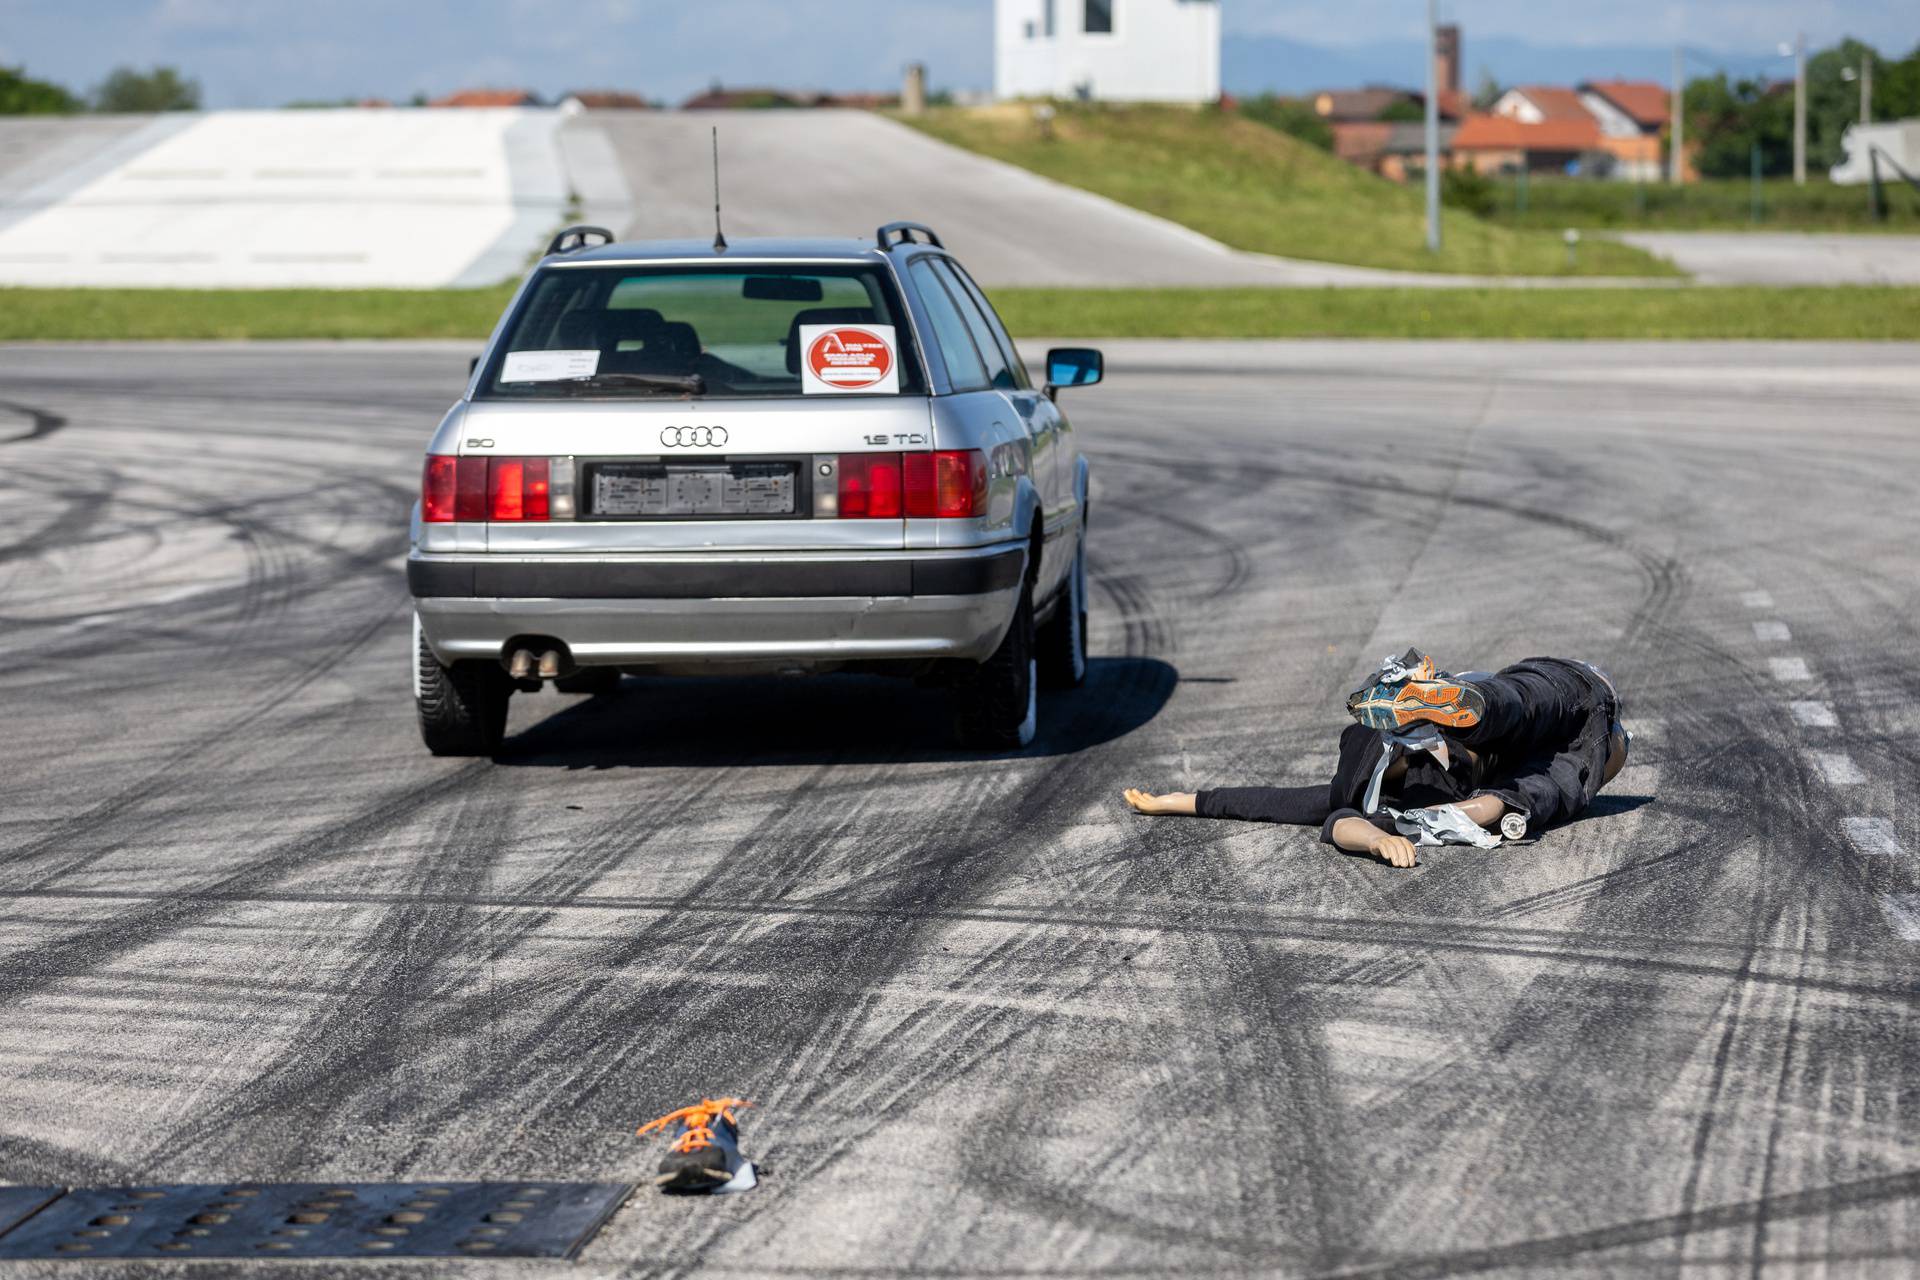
x,y
965,369
999,375
969,292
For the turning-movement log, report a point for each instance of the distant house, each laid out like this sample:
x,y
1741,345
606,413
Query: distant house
x,y
1494,143
488,98
1633,117
607,100
1107,50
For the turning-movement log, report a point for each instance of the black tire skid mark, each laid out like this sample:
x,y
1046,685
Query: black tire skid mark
x,y
347,1052
228,736
227,732
338,1083
877,1097
38,968
1661,573
41,422
388,970
877,957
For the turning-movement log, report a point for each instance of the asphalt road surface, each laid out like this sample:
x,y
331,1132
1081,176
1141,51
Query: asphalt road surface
x,y
1786,257
994,1024
843,173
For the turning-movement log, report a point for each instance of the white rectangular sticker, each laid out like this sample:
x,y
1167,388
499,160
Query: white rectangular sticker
x,y
549,366
848,359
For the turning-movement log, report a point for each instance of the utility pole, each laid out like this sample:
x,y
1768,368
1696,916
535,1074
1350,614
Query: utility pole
x,y
1866,87
1433,125
1800,110
1677,165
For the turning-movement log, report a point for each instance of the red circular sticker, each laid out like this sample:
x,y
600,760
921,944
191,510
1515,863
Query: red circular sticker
x,y
849,358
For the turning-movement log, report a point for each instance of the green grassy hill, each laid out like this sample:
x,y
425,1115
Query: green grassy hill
x,y
1255,188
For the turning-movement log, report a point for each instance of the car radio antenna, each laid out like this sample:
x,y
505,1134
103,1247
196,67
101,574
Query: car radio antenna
x,y
719,237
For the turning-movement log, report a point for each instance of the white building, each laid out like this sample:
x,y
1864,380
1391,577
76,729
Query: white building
x,y
1112,50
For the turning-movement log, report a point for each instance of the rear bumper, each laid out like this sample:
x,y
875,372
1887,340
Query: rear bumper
x,y
704,611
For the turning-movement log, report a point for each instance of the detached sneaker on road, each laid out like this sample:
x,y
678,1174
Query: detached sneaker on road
x,y
1411,689
705,1156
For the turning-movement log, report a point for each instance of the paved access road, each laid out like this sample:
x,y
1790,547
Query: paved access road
x,y
996,1025
1786,257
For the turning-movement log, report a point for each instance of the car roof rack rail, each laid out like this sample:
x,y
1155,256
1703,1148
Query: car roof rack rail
x,y
905,231
575,237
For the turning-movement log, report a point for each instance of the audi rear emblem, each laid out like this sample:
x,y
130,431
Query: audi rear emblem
x,y
693,437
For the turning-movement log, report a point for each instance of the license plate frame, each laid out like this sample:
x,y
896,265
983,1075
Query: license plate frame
x,y
659,490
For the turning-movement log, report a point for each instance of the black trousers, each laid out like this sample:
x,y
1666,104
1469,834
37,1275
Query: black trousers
x,y
1541,746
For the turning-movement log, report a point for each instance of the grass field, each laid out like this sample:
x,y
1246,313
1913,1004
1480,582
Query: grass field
x,y
1753,313
1258,189
1887,313
1711,205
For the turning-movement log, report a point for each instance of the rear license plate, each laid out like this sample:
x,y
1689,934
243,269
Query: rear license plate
x,y
664,489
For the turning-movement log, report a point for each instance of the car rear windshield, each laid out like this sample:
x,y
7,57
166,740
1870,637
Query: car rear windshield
x,y
701,331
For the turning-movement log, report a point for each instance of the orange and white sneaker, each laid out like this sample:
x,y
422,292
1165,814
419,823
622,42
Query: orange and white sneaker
x,y
705,1155
1411,689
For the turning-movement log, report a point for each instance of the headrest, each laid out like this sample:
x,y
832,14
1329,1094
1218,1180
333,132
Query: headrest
x,y
637,324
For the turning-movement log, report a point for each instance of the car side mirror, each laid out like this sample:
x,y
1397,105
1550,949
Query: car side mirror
x,y
1074,367
473,364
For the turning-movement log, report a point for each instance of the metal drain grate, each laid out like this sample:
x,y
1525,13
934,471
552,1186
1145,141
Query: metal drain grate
x,y
309,1220
19,1203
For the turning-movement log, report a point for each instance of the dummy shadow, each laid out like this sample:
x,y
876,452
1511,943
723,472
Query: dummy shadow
x,y
663,722
1609,806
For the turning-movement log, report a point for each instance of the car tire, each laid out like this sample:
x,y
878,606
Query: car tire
x,y
1063,640
590,680
463,708
996,704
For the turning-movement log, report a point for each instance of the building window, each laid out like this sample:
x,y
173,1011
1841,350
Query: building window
x,y
1099,18
1046,18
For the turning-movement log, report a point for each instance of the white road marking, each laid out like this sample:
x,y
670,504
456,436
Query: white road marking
x,y
1838,768
1757,600
1814,715
1873,837
1785,669
1903,913
1771,632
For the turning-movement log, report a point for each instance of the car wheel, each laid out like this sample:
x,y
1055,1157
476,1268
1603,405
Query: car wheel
x,y
997,707
590,680
1063,640
463,708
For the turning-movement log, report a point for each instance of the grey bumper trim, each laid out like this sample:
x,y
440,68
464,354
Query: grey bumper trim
x,y
692,580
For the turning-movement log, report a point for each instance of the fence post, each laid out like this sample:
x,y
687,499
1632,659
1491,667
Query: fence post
x,y
1754,213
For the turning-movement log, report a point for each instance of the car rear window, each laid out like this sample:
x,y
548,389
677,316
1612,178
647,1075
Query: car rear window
x,y
736,328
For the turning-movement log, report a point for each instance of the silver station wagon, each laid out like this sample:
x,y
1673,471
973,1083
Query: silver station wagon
x,y
775,456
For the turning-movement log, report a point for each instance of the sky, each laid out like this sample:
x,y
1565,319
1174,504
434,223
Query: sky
x,y
262,53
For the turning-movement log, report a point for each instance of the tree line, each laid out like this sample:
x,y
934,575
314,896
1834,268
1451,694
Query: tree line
x,y
1729,118
126,89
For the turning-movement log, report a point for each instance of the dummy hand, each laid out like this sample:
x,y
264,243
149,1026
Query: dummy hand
x,y
1396,851
1147,802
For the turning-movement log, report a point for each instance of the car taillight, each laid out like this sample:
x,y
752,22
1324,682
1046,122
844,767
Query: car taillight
x,y
870,486
949,484
517,488
485,489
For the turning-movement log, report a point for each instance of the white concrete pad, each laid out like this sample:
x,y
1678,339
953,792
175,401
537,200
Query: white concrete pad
x,y
331,197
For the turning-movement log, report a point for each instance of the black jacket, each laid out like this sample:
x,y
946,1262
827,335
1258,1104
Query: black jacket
x,y
1541,746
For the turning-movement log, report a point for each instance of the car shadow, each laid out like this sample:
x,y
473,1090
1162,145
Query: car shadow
x,y
665,723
